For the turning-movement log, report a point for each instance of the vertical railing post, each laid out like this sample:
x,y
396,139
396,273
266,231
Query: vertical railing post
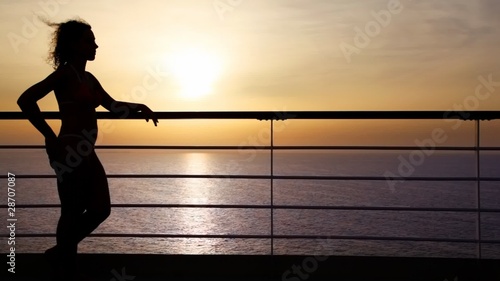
x,y
478,183
272,185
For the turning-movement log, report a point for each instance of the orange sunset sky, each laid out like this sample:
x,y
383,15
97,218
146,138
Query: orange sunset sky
x,y
221,55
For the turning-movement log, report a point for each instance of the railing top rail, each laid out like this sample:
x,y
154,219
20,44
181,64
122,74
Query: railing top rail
x,y
282,115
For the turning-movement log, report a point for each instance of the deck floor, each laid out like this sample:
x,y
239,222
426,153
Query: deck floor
x,y
116,267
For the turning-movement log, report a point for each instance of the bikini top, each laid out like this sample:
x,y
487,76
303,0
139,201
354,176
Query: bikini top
x,y
85,92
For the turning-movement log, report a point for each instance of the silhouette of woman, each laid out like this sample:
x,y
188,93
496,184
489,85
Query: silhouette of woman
x,y
81,179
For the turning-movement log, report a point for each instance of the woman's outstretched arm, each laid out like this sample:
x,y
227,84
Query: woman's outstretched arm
x,y
122,108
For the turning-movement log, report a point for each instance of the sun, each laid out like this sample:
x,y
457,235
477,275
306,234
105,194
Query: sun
x,y
194,70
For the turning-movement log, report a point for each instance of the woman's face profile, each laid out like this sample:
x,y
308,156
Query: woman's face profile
x,y
85,47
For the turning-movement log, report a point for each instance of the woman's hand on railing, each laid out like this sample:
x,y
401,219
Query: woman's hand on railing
x,y
147,113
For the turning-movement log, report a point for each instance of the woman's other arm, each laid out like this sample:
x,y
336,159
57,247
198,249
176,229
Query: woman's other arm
x,y
28,103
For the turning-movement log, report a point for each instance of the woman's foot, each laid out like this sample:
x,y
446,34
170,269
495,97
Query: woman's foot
x,y
62,267
53,260
51,253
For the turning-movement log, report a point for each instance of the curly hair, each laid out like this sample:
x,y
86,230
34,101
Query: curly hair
x,y
64,36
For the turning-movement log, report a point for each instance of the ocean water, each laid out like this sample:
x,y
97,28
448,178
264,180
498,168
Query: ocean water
x,y
257,221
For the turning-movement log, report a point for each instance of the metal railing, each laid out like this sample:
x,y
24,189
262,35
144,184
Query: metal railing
x,y
272,117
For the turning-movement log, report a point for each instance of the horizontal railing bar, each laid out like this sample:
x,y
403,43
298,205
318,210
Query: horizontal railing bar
x,y
292,207
228,147
257,236
275,177
275,115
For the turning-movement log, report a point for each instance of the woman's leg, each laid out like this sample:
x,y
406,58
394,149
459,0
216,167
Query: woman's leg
x,y
85,204
69,186
97,199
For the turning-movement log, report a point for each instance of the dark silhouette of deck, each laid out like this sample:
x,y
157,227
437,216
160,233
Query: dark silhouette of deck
x,y
120,267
